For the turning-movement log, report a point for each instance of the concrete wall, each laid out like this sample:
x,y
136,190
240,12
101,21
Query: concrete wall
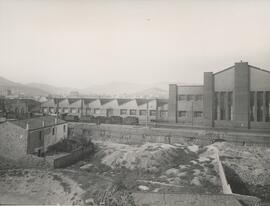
x,y
137,135
259,80
224,80
208,99
241,95
172,104
13,141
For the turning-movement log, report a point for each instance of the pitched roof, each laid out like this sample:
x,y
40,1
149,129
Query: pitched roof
x,y
37,122
123,101
141,101
161,102
88,100
104,101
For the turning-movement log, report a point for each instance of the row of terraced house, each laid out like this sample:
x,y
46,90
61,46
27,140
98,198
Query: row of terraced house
x,y
143,109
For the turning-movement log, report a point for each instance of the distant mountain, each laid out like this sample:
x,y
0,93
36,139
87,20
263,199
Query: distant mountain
x,y
152,93
18,88
52,89
113,88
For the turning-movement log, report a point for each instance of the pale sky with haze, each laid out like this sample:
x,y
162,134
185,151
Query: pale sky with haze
x,y
78,43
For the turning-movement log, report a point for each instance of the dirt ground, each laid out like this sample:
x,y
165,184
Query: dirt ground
x,y
28,186
151,167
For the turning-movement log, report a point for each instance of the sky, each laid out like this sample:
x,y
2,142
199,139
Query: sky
x,y
78,43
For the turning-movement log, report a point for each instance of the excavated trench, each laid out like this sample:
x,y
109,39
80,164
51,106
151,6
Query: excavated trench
x,y
240,187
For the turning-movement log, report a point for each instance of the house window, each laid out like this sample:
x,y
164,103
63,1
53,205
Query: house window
x,y
181,97
142,112
132,112
53,131
96,111
199,97
153,112
182,113
123,111
198,114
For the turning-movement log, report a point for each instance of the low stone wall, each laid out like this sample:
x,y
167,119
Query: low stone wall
x,y
139,134
225,185
72,157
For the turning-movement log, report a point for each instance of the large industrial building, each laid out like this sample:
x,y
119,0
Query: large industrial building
x,y
236,97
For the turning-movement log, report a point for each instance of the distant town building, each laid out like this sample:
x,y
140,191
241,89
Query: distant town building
x,y
20,108
30,136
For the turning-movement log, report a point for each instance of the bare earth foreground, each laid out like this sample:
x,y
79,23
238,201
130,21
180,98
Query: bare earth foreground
x,y
154,168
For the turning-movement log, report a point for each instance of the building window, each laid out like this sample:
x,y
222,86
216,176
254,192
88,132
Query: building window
x,y
199,97
163,113
123,111
88,111
132,112
252,108
215,105
53,131
143,112
267,105
190,97
230,105
153,112
198,114
222,106
66,110
64,128
259,106
182,113
74,110
96,111
181,97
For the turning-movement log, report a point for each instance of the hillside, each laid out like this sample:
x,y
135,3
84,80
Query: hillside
x,y
18,88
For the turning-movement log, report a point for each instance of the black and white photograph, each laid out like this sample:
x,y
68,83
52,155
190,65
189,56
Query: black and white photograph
x,y
135,102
